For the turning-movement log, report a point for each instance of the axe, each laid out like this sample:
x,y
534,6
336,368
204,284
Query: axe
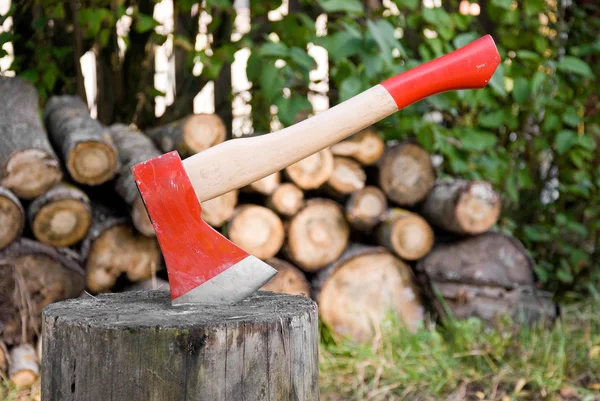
x,y
205,267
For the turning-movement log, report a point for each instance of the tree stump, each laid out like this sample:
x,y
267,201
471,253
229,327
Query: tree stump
x,y
136,346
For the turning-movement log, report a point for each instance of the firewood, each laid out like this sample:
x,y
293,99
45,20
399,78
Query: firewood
x,y
134,147
42,274
84,144
189,135
313,171
149,284
12,217
406,234
113,248
485,276
406,173
286,200
29,165
366,147
356,292
366,208
24,366
462,207
217,211
317,234
265,186
288,280
257,230
61,217
347,177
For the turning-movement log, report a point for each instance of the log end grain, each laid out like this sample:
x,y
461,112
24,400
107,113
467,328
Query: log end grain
x,y
313,171
347,176
140,218
202,131
366,147
406,234
478,208
266,185
317,234
265,347
257,230
366,208
286,200
31,172
12,217
356,293
92,162
288,280
24,366
218,210
406,173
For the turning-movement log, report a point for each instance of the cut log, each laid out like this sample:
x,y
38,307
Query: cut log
x,y
154,283
366,208
29,165
288,280
406,173
267,185
366,147
286,200
61,217
3,358
189,135
24,366
9,322
317,234
42,274
134,147
462,207
347,177
12,217
265,347
113,248
406,234
357,291
484,276
84,144
313,171
257,230
220,209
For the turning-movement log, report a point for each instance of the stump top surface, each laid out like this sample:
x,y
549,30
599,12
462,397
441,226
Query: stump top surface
x,y
152,309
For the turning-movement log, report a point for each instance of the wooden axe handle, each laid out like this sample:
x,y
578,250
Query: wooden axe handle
x,y
239,162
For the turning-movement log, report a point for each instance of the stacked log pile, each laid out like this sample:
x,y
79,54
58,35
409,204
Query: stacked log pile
x,y
364,227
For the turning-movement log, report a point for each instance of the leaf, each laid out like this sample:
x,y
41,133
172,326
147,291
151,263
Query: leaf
x,y
271,82
538,79
551,122
278,49
383,33
528,55
564,140
575,65
505,4
410,4
477,140
144,23
497,81
350,87
348,6
587,142
536,233
464,39
288,109
511,189
6,37
494,119
253,67
570,117
520,91
340,45
302,58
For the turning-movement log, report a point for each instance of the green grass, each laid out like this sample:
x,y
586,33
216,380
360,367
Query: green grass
x,y
561,362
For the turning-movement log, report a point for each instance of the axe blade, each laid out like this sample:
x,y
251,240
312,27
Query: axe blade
x,y
203,266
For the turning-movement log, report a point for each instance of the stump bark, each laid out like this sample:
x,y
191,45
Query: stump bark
x,y
84,144
136,346
28,164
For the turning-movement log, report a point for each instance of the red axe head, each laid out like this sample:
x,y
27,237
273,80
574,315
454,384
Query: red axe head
x,y
203,265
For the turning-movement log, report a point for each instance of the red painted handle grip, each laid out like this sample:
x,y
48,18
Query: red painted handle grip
x,y
469,67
